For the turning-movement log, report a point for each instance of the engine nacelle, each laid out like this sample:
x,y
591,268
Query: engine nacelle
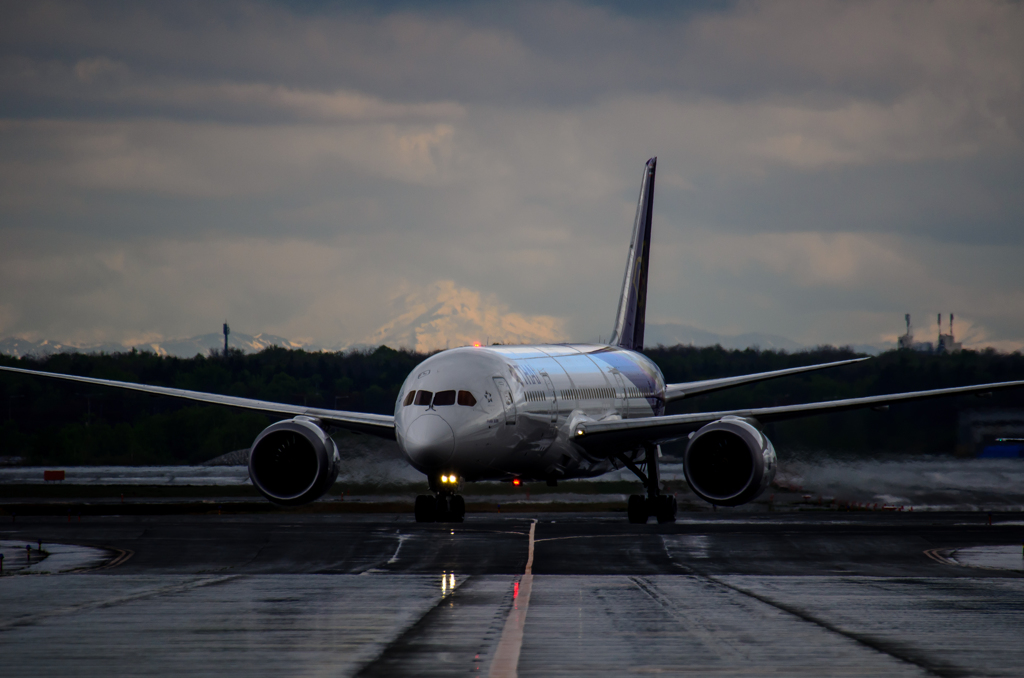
x,y
293,462
729,462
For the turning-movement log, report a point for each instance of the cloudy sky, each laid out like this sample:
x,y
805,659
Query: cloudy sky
x,y
343,174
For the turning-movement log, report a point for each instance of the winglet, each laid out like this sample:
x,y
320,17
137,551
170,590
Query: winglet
x,y
629,320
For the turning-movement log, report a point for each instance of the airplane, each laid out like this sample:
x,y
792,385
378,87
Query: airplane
x,y
541,413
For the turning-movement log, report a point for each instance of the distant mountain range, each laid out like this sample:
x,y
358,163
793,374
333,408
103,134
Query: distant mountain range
x,y
181,348
672,334
665,334
687,335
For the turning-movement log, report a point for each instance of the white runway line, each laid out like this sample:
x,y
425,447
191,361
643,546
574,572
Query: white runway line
x,y
401,540
506,657
1005,557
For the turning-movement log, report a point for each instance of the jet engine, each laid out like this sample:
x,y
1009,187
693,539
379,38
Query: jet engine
x,y
729,462
293,462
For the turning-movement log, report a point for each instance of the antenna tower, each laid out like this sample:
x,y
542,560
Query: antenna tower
x,y
907,340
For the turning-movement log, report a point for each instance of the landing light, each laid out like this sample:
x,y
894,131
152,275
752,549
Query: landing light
x,y
516,481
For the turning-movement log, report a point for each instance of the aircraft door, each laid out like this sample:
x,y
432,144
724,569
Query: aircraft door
x,y
622,403
508,402
553,394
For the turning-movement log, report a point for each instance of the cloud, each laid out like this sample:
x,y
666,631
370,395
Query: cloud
x,y
566,52
824,167
210,160
170,289
808,259
101,83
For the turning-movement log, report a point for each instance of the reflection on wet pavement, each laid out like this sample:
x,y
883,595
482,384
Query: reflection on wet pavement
x,y
281,625
604,598
287,625
39,558
1009,557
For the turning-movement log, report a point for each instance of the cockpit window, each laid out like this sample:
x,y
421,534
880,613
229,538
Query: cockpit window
x,y
409,398
466,398
444,398
423,398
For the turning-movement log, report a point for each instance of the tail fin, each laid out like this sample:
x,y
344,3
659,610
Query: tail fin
x,y
629,321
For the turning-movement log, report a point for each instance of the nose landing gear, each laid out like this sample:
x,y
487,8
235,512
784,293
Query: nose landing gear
x,y
445,506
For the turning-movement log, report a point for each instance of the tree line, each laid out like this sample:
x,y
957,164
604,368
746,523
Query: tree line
x,y
51,422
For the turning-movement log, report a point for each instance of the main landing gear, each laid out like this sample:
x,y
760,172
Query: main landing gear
x,y
445,506
640,508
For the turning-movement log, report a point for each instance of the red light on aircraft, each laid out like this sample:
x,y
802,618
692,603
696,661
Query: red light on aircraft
x,y
516,481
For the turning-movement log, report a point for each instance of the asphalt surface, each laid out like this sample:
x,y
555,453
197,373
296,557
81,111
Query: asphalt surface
x,y
829,593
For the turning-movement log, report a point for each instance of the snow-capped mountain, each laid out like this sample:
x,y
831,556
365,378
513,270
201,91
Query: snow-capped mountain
x,y
204,343
445,315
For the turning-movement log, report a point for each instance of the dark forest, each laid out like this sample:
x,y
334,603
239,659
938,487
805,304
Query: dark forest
x,y
49,422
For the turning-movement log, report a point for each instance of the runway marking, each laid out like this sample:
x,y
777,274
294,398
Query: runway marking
x,y
122,556
947,557
401,540
939,556
506,657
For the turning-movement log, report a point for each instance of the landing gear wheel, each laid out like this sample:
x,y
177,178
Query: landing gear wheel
x,y
636,509
424,509
457,508
442,510
665,507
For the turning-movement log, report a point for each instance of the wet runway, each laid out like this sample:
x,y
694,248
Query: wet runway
x,y
728,594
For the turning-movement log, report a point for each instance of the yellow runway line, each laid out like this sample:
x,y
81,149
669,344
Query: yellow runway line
x,y
506,657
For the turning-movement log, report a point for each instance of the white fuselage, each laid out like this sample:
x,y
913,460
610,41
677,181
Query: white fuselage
x,y
503,412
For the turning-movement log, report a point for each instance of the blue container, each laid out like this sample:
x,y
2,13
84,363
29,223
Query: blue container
x,y
1002,451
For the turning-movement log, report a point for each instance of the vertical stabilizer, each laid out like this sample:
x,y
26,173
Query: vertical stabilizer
x,y
629,321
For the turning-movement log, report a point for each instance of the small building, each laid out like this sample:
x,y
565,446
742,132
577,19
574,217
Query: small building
x,y
946,342
990,434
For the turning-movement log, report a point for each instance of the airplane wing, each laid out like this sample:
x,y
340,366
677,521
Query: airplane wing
x,y
381,425
607,437
677,391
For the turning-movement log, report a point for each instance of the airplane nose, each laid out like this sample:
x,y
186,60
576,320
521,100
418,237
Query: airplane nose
x,y
429,441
